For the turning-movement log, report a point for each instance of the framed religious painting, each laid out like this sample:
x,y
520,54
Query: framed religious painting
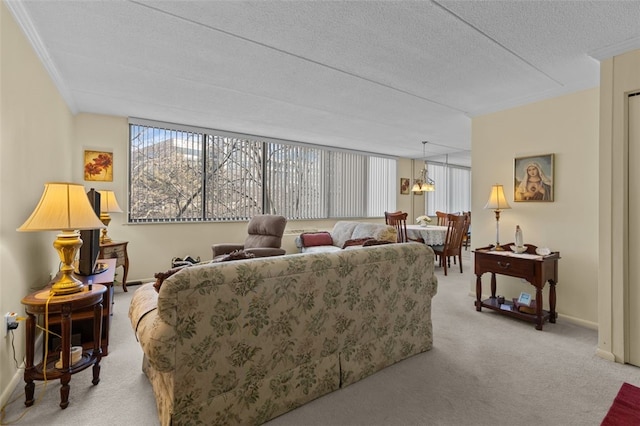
x,y
98,166
404,186
533,178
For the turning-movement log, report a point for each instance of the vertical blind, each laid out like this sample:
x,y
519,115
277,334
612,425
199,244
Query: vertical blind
x,y
453,189
178,173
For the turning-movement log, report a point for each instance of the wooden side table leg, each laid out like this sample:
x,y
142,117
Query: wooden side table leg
x,y
97,342
552,302
125,270
493,285
65,327
478,293
539,303
29,387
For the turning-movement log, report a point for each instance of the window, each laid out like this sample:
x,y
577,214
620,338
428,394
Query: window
x,y
183,174
453,189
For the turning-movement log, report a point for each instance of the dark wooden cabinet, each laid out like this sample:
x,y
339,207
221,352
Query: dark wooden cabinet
x,y
536,269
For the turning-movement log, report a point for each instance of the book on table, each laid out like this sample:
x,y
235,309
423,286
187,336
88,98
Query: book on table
x,y
521,307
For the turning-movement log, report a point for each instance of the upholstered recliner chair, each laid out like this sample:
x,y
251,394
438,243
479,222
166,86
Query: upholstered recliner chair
x,y
264,239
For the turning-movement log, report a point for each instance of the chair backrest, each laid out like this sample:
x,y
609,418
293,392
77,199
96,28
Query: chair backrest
x,y
386,216
399,221
442,218
455,232
265,230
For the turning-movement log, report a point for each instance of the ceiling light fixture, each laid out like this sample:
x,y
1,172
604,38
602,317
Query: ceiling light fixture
x,y
423,183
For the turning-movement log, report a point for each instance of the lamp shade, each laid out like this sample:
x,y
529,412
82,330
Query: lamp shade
x,y
108,202
63,206
497,200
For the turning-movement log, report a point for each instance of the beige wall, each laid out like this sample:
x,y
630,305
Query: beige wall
x,y
36,135
619,76
567,127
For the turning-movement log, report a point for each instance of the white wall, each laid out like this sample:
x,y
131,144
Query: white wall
x,y
566,126
36,135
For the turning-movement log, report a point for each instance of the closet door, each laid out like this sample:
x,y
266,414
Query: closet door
x,y
633,306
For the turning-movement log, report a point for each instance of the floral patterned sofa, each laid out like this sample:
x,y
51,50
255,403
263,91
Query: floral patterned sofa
x,y
242,342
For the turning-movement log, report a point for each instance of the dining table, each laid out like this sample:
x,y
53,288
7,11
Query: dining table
x,y
433,235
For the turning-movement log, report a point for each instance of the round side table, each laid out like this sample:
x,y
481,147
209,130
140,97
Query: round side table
x,y
39,303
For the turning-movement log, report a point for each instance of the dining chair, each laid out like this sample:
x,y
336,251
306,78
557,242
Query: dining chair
x,y
441,218
452,246
467,235
399,221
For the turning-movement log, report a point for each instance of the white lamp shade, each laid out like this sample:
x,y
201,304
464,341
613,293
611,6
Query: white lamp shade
x,y
63,206
497,200
108,202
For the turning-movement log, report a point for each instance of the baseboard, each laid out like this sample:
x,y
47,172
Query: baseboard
x,y
605,355
19,374
8,391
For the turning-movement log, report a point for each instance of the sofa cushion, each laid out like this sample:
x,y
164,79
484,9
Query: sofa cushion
x,y
343,231
313,239
376,231
355,242
161,276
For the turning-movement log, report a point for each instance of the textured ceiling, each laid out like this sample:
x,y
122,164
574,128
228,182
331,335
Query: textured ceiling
x,y
378,76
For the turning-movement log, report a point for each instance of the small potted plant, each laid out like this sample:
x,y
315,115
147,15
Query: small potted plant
x,y
423,220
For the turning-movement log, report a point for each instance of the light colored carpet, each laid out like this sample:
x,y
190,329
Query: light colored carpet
x,y
484,369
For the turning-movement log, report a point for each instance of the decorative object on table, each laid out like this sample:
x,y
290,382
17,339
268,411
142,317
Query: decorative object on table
x,y
525,308
66,207
519,237
514,248
497,202
423,220
405,183
543,251
524,299
98,166
423,183
533,178
108,204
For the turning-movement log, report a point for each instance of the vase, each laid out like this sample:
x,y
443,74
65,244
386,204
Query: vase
x,y
423,224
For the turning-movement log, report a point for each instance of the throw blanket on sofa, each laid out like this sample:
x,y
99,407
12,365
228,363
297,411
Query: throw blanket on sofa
x,y
243,342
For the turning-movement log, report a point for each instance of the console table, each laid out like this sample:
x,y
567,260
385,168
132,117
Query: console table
x,y
536,269
41,302
117,250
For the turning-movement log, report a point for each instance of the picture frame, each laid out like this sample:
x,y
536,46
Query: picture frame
x,y
524,299
533,178
98,166
405,186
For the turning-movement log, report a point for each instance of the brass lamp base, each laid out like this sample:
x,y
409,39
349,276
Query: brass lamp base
x,y
67,244
106,219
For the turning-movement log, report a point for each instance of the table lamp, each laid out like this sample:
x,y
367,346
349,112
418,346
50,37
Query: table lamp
x,y
64,206
497,202
108,204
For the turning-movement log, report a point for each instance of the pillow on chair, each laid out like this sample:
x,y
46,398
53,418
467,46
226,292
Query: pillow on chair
x,y
312,239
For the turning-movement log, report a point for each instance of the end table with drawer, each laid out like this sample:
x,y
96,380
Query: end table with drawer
x,y
117,250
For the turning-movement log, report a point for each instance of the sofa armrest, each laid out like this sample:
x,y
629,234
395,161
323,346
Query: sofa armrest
x,y
266,251
220,249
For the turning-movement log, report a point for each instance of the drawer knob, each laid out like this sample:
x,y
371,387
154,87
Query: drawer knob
x,y
504,265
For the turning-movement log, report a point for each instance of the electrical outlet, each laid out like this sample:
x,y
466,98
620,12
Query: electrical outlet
x,y
11,321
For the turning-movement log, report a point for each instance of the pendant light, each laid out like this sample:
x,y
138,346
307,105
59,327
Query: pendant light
x,y
423,183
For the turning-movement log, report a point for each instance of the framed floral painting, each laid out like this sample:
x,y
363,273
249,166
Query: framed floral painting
x,y
98,166
533,178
